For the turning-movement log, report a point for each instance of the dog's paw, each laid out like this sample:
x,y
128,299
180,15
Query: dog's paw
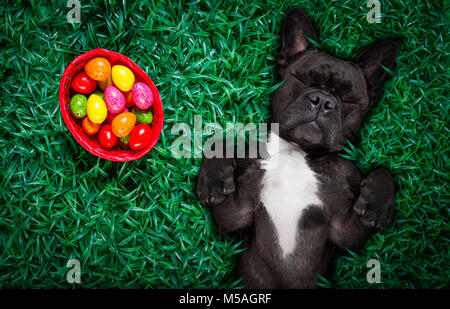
x,y
215,181
375,205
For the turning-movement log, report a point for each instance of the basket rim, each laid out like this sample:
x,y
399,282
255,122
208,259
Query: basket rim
x,y
99,151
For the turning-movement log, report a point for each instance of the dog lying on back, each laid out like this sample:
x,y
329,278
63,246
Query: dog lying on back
x,y
302,201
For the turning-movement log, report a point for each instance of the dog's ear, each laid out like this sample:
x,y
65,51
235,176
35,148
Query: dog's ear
x,y
370,60
297,27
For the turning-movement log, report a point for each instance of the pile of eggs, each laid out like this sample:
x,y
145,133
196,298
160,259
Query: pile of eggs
x,y
119,112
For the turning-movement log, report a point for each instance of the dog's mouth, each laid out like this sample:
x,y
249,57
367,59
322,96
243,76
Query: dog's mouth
x,y
318,133
294,117
294,122
308,135
309,126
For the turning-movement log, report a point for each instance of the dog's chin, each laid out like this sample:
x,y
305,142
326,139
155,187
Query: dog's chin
x,y
308,136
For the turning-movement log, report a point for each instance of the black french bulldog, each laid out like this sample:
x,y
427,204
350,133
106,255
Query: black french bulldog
x,y
296,206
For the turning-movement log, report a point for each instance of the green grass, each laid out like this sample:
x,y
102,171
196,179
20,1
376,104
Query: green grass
x,y
139,224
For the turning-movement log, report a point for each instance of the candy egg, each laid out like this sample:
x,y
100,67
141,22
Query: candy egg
x,y
82,83
129,99
96,109
89,127
114,99
122,77
102,84
106,137
78,105
142,116
140,137
142,95
123,123
98,68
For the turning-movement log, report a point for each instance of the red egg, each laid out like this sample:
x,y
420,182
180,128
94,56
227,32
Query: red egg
x,y
106,136
129,98
140,137
82,83
110,117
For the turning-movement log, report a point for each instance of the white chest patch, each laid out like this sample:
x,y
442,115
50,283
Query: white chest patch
x,y
288,187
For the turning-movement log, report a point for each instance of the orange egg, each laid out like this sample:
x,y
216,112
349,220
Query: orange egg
x,y
89,127
98,68
105,83
123,124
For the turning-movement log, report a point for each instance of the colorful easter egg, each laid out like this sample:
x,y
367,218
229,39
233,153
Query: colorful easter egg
x,y
82,83
140,137
142,95
96,109
98,68
77,106
106,136
122,77
102,84
89,127
114,99
143,116
123,123
129,99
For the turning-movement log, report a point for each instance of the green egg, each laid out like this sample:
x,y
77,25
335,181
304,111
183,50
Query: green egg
x,y
78,105
142,116
125,139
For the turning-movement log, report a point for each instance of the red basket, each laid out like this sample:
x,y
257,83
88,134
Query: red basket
x,y
90,143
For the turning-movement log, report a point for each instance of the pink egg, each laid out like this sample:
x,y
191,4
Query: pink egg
x,y
142,95
114,99
110,116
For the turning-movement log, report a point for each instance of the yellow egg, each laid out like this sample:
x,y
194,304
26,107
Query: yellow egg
x,y
122,77
96,109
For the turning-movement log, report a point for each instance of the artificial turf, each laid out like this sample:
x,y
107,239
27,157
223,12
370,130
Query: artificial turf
x,y
139,224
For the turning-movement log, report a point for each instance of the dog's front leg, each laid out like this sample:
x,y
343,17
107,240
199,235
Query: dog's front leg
x,y
372,211
228,186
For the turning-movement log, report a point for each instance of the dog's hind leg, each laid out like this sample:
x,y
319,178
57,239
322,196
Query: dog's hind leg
x,y
372,211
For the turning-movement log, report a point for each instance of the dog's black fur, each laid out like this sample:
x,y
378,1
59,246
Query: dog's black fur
x,y
320,104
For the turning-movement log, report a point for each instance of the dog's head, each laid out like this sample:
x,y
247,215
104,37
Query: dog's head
x,y
323,99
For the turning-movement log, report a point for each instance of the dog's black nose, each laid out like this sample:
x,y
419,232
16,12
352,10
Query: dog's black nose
x,y
322,101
